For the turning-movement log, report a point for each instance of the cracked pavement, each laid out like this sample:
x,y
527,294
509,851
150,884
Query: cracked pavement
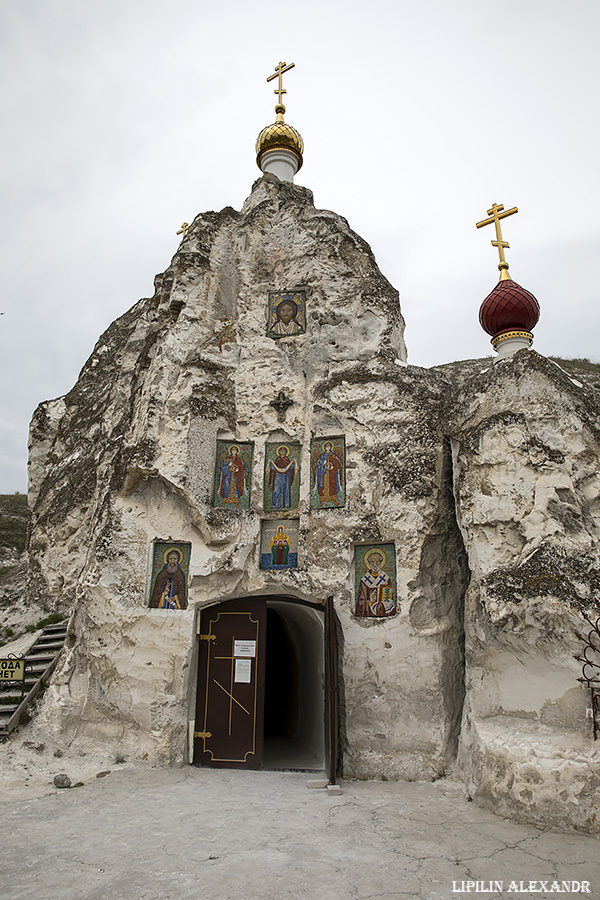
x,y
201,834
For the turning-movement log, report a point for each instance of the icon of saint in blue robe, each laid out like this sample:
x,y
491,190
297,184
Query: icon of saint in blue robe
x,y
282,472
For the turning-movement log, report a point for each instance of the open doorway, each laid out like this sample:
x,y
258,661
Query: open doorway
x,y
261,685
294,725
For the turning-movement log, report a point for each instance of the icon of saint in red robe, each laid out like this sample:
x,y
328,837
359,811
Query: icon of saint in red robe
x,y
328,475
231,487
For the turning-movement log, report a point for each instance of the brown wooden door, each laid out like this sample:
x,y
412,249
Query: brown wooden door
x,y
229,727
331,690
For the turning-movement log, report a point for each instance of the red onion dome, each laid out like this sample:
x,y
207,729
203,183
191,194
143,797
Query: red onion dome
x,y
509,307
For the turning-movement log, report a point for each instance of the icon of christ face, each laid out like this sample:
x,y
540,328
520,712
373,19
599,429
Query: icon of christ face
x,y
286,315
287,311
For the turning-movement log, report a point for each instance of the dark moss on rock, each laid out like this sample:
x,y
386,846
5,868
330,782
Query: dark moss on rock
x,y
368,532
407,381
471,437
215,398
573,578
65,489
41,428
492,381
105,541
139,456
583,370
412,477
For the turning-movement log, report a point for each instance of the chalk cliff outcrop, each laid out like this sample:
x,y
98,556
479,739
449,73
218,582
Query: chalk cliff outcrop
x,y
526,442
486,483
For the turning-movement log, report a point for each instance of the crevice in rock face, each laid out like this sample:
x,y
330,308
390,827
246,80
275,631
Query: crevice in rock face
x,y
438,610
454,657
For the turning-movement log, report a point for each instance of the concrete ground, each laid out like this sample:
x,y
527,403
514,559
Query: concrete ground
x,y
201,834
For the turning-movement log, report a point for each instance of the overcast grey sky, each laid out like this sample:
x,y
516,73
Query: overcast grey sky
x,y
123,118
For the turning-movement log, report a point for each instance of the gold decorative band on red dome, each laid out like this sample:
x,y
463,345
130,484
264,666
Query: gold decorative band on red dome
x,y
505,335
509,307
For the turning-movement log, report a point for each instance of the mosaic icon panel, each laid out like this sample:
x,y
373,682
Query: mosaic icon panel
x,y
233,471
375,580
279,544
286,315
170,571
328,472
282,476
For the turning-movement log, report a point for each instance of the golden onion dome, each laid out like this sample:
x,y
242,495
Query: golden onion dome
x,y
279,136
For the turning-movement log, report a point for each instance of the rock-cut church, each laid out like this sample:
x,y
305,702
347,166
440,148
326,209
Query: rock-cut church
x,y
283,547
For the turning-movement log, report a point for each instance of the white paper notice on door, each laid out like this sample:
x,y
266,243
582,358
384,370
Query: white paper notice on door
x,y
244,648
243,670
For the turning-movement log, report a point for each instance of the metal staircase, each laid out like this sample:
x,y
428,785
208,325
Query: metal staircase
x,y
40,660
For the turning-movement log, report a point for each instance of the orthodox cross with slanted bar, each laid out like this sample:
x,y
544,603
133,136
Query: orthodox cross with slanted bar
x,y
279,70
496,213
183,230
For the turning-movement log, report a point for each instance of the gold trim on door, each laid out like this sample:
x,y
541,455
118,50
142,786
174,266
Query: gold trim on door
x,y
205,735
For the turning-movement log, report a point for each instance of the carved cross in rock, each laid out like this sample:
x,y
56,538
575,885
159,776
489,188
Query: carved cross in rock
x,y
281,403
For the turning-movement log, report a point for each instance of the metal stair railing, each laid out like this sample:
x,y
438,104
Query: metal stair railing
x,y
40,661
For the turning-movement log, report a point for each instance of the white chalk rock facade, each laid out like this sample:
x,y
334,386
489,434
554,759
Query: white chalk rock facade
x,y
481,492
526,445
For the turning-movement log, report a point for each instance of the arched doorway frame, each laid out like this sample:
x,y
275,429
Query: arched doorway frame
x,y
289,607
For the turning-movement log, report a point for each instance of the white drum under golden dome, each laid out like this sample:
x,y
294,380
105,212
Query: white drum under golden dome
x,y
279,148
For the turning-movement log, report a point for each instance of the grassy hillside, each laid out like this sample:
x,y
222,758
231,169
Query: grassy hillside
x,y
14,519
584,370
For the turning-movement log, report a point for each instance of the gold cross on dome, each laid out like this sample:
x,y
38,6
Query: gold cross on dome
x,y
496,213
279,70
